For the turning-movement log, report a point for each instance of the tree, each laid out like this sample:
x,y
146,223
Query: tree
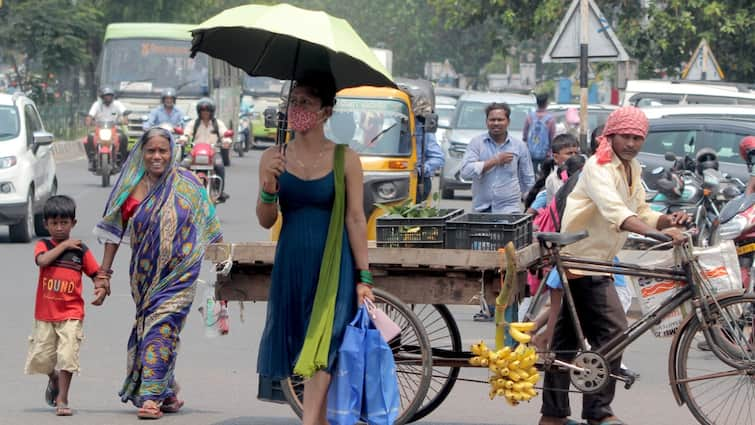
x,y
674,31
52,34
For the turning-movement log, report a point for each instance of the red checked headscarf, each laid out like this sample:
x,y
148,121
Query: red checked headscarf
x,y
625,120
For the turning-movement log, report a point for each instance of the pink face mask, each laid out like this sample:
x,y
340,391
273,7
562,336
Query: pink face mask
x,y
301,120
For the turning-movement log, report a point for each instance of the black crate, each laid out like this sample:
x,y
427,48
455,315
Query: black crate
x,y
403,232
488,232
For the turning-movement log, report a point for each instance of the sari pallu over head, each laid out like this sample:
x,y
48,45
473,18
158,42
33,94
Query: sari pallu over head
x,y
168,234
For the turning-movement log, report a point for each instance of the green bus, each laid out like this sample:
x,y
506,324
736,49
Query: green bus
x,y
139,60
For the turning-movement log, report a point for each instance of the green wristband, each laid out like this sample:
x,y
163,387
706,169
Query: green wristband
x,y
268,198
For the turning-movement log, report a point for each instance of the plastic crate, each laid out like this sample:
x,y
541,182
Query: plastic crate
x,y
488,232
403,232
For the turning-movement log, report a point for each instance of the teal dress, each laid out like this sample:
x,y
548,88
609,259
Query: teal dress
x,y
305,206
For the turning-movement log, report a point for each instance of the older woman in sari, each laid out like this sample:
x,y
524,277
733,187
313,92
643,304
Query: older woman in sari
x,y
163,212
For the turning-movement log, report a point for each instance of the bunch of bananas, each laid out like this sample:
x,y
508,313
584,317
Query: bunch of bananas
x,y
513,372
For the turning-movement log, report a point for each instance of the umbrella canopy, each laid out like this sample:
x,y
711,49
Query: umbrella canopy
x,y
282,41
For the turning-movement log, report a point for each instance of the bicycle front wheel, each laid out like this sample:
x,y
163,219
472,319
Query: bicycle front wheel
x,y
715,392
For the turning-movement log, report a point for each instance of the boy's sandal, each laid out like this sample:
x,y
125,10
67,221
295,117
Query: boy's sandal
x,y
51,394
149,412
171,405
63,410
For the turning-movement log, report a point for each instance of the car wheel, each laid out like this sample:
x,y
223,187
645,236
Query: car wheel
x,y
23,231
39,218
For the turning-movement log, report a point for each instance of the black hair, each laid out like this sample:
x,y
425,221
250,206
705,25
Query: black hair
x,y
59,206
545,170
574,164
156,131
594,138
495,106
542,100
320,84
563,141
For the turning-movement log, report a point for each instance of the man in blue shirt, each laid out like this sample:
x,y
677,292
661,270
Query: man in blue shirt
x,y
165,113
432,161
498,165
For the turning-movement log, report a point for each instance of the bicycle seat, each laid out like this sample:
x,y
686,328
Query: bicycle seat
x,y
561,239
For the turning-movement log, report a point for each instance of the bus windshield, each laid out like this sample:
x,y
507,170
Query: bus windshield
x,y
146,66
372,127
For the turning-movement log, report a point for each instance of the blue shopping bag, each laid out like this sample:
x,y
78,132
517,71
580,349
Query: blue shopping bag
x,y
381,402
345,392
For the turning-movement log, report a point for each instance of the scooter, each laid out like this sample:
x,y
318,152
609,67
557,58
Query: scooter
x,y
738,224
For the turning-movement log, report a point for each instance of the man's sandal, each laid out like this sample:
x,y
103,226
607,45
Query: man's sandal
x,y
151,411
63,410
607,421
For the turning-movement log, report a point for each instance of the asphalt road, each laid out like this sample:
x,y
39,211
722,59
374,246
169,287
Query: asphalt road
x,y
218,374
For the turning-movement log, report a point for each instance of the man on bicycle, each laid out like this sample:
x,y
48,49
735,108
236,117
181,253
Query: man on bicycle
x,y
608,201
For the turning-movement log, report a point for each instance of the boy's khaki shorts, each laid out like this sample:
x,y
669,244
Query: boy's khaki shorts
x,y
54,345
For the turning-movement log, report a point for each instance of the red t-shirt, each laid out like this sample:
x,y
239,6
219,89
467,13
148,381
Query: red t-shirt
x,y
59,287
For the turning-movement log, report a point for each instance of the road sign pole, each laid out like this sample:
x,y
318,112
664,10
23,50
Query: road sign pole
x,y
583,73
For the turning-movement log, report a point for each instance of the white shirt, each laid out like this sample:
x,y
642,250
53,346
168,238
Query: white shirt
x,y
205,132
102,112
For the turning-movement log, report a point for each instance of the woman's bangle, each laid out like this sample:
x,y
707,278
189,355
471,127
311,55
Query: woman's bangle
x,y
107,272
369,285
268,198
366,277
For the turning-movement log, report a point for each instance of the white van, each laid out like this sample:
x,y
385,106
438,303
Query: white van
x,y
656,93
742,112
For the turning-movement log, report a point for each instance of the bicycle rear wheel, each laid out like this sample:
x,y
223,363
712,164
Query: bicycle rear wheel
x,y
715,392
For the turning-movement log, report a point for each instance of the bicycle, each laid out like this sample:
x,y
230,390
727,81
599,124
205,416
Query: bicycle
x,y
726,322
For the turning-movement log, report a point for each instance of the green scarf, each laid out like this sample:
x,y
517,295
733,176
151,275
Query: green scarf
x,y
314,353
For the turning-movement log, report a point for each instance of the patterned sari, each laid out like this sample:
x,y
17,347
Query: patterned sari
x,y
168,234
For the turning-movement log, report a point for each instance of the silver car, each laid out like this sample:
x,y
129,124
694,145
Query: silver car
x,y
469,121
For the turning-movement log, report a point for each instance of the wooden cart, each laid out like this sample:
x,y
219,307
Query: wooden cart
x,y
413,286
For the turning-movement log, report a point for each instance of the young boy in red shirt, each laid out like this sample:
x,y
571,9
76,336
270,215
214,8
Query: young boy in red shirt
x,y
59,308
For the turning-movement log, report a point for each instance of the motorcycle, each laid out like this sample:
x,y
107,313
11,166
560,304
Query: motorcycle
x,y
242,141
105,136
201,160
696,187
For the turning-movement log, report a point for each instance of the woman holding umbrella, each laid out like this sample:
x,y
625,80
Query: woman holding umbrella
x,y
321,269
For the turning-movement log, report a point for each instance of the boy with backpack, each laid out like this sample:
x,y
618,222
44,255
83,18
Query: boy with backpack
x,y
59,308
539,131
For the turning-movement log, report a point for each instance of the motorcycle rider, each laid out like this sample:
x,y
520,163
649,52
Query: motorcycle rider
x,y
167,112
103,109
206,128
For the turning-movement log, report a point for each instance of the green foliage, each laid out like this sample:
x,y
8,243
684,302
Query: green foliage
x,y
408,209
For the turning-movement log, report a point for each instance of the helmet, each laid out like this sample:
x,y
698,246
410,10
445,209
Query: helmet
x,y
169,92
747,149
706,158
107,90
206,103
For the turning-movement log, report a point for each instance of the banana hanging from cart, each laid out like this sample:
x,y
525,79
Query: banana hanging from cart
x,y
513,371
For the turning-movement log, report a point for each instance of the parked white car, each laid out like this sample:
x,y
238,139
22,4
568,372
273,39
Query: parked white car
x,y
27,167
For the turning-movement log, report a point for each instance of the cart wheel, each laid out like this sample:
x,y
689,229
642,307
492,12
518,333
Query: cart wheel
x,y
411,351
445,341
